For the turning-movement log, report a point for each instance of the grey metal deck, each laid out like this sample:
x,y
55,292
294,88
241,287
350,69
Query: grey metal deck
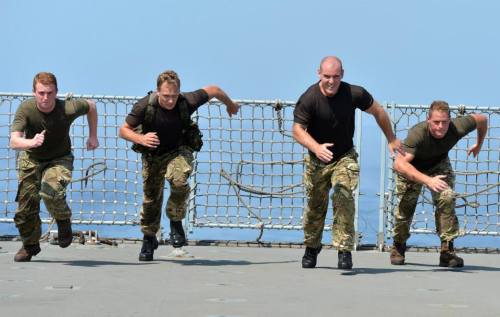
x,y
101,280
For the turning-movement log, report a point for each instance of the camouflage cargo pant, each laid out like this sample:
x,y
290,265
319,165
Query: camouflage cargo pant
x,y
176,167
41,180
319,178
444,202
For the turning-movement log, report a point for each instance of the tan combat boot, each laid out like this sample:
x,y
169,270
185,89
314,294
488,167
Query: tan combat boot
x,y
398,253
448,258
26,252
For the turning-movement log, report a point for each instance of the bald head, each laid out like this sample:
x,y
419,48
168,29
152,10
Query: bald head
x,y
330,74
330,62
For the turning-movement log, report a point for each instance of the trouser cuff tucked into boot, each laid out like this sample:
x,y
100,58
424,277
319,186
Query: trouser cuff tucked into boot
x,y
26,252
177,235
310,257
64,233
448,257
345,260
149,245
398,253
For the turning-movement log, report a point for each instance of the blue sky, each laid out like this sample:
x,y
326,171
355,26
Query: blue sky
x,y
401,51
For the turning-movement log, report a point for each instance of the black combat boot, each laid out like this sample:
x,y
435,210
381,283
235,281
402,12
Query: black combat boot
x,y
448,258
177,235
345,260
64,233
310,257
149,245
26,252
398,253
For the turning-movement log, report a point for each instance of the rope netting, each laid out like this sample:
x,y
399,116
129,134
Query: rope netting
x,y
477,179
248,174
250,171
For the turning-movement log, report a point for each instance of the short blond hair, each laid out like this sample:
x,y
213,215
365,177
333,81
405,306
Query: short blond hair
x,y
439,105
170,77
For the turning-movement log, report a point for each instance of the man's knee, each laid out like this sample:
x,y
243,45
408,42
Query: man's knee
x,y
26,216
180,184
179,170
52,192
180,188
341,191
446,200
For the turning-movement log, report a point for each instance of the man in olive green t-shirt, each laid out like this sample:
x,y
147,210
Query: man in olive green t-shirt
x,y
41,130
425,162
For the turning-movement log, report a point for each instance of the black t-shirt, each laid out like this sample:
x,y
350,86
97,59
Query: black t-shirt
x,y
427,150
331,119
167,123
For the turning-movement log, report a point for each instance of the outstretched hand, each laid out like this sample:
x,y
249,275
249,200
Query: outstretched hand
x,y
474,150
232,109
395,146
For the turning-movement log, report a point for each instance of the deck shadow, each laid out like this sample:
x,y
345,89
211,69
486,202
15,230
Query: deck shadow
x,y
370,270
459,269
408,269
93,263
205,262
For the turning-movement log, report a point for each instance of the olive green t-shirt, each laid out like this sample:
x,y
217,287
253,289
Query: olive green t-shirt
x,y
429,151
30,120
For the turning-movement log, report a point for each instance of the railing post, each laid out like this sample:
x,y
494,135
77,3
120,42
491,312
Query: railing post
x,y
381,219
359,129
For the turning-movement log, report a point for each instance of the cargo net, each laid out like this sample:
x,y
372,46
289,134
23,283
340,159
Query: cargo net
x,y
477,179
247,175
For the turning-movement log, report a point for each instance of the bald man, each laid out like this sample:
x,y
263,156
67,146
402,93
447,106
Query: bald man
x,y
324,124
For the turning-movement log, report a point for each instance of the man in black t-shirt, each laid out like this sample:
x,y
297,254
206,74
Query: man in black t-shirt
x,y
166,153
425,162
324,124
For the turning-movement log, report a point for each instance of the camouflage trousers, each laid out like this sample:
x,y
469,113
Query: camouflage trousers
x,y
175,166
444,202
319,178
38,180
